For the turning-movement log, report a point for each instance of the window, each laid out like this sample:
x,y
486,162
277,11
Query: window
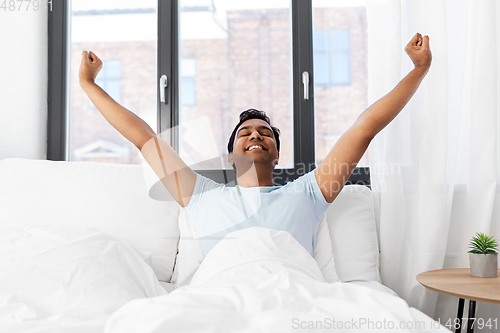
x,y
188,82
109,79
220,57
102,151
123,35
332,58
340,71
243,60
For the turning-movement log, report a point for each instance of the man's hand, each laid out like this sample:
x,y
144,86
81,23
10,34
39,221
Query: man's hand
x,y
419,52
90,67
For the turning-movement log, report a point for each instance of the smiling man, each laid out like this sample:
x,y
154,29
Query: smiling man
x,y
214,210
254,142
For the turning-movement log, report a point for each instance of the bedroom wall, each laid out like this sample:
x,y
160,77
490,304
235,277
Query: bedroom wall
x,y
23,82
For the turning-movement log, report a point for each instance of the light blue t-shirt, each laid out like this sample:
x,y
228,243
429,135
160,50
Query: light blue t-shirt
x,y
215,210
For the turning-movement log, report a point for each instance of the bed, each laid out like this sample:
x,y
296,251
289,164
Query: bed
x,y
84,247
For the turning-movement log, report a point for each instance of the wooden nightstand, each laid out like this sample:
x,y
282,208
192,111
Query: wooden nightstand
x,y
459,283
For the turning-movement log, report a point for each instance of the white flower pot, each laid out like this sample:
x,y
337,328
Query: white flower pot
x,y
483,265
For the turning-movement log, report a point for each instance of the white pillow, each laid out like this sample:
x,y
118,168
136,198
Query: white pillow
x,y
323,252
111,198
190,253
67,279
189,256
353,233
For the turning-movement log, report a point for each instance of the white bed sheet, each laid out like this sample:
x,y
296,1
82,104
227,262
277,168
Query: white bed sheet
x,y
263,280
374,285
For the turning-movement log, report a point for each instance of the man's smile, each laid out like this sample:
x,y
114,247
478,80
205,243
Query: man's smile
x,y
255,146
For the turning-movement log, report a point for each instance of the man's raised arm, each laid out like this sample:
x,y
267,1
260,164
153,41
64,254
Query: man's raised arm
x,y
335,170
177,177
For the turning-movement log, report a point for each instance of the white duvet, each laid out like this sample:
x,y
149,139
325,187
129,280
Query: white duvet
x,y
55,280
264,281
58,280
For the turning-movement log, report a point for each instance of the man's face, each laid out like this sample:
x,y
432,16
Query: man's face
x,y
255,139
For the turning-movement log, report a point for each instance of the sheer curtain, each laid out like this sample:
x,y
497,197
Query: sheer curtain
x,y
435,167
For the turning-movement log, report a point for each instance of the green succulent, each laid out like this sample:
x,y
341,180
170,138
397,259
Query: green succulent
x,y
482,244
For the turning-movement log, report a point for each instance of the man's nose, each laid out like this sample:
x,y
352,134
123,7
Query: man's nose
x,y
256,135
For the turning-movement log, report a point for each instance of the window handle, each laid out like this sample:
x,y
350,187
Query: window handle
x,y
163,85
305,81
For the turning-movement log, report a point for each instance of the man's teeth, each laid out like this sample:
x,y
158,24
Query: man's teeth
x,y
254,147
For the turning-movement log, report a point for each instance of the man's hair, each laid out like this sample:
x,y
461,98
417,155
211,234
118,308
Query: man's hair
x,y
253,114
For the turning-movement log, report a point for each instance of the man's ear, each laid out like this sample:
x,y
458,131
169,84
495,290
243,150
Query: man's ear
x,y
277,159
230,158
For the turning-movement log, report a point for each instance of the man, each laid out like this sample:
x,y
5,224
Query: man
x,y
215,210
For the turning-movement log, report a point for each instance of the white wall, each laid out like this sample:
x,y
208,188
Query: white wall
x,y
23,83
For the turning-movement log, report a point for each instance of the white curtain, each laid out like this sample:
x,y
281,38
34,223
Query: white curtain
x,y
435,167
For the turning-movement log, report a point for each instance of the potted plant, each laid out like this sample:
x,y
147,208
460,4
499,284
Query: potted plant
x,y
483,256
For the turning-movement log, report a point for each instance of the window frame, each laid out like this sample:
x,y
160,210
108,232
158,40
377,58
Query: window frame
x,y
168,112
57,89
